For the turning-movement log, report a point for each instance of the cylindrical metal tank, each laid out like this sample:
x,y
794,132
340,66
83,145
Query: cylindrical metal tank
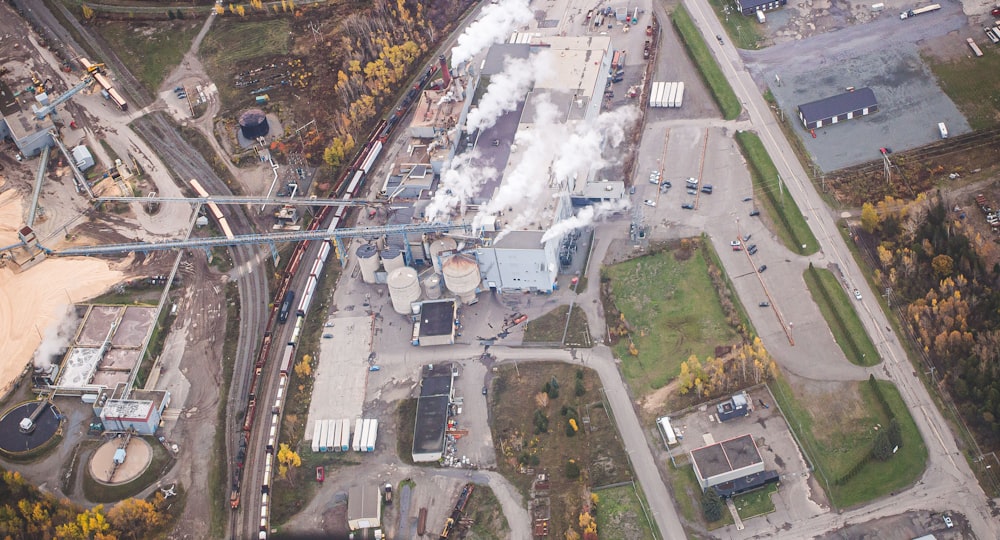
x,y
392,258
368,261
439,246
461,276
432,287
404,289
253,124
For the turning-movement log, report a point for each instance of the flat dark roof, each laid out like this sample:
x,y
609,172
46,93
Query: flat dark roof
x,y
437,385
428,433
725,456
8,103
857,99
436,318
503,132
498,54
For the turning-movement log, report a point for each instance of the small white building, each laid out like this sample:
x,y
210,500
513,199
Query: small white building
x,y
364,507
83,158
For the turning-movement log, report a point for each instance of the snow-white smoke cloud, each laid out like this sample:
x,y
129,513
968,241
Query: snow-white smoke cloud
x,y
586,216
57,337
495,23
459,183
583,148
507,89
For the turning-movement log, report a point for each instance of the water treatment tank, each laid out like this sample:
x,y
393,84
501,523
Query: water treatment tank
x,y
392,258
404,289
439,246
432,287
368,261
461,276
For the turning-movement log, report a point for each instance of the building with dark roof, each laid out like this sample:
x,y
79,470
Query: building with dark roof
x,y
432,415
435,324
726,461
834,109
749,7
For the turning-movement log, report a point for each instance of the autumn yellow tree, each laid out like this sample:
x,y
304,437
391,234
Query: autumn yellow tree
x,y
88,12
287,458
304,368
89,524
869,218
134,518
943,265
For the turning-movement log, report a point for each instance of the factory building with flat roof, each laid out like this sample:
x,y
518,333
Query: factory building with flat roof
x,y
726,461
432,415
838,108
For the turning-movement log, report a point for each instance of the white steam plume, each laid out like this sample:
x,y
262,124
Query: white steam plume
x,y
459,183
584,147
495,23
584,217
507,89
57,337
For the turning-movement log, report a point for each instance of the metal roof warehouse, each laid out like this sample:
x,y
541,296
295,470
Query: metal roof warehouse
x,y
826,111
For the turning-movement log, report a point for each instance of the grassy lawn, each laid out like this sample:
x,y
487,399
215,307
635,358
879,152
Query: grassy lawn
x,y
673,312
549,328
687,493
226,50
838,431
618,514
519,406
743,31
488,521
709,69
973,84
756,503
835,304
792,227
151,51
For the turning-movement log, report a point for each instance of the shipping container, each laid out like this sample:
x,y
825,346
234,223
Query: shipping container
x,y
345,435
365,425
338,427
671,99
324,428
680,95
372,434
317,428
652,93
356,441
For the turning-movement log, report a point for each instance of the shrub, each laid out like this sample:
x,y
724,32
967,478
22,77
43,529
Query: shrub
x,y
711,505
571,470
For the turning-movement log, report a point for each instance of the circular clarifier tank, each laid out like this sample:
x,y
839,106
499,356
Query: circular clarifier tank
x,y
17,436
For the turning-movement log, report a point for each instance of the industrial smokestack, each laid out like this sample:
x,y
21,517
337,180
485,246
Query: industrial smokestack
x,y
444,72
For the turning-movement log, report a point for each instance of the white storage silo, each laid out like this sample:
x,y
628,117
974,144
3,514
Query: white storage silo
x,y
439,246
368,261
432,287
392,258
404,289
461,276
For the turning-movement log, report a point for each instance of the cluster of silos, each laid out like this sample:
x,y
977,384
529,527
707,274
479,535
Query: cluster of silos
x,y
461,277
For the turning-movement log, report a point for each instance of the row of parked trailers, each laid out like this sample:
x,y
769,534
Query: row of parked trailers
x,y
335,435
666,94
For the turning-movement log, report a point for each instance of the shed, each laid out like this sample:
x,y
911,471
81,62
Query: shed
x,y
83,158
736,406
750,7
364,507
834,109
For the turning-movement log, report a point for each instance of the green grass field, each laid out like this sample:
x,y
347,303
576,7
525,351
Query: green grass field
x,y
791,225
549,328
743,31
836,306
673,311
755,503
227,50
620,516
973,84
687,494
709,69
151,51
839,431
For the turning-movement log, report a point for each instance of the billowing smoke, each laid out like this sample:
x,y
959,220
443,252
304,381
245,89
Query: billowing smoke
x,y
459,183
507,89
582,150
495,23
586,216
57,337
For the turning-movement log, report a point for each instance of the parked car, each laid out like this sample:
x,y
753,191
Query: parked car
x,y
764,304
762,268
650,202
747,199
707,189
718,37
687,206
752,250
947,522
484,390
667,184
734,243
746,237
631,190
752,247
754,212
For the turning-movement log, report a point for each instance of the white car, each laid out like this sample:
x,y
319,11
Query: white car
x,y
857,294
734,243
947,522
649,202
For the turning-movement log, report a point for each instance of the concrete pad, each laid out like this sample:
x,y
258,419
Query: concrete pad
x,y
341,371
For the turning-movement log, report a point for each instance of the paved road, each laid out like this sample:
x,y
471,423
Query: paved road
x,y
948,482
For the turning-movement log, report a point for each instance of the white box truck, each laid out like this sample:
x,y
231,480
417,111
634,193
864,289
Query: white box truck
x,y
372,434
325,425
345,437
365,430
317,427
356,441
334,440
652,94
943,130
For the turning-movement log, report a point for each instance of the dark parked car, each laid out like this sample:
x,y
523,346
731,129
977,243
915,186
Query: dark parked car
x,y
687,206
764,304
762,268
754,212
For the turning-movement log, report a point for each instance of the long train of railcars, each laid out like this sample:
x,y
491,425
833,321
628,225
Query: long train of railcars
x,y
214,209
347,189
